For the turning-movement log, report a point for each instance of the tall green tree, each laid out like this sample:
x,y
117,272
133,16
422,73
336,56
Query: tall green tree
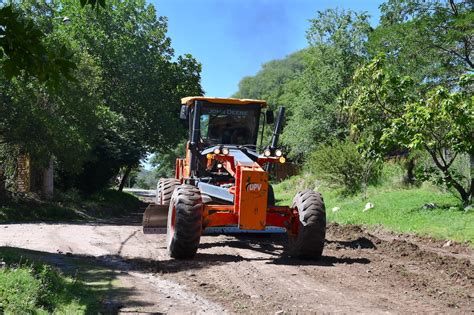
x,y
122,101
45,113
431,41
336,48
272,81
277,83
45,122
388,110
23,51
143,82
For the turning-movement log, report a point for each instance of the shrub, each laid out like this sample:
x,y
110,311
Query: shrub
x,y
341,165
29,286
70,197
112,203
19,291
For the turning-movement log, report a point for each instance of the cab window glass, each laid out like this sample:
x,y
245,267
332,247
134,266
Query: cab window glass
x,y
229,126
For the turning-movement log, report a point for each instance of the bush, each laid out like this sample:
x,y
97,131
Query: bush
x,y
18,291
32,287
115,199
341,165
68,197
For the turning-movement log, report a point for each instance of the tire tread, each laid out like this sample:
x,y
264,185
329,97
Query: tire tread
x,y
184,242
309,243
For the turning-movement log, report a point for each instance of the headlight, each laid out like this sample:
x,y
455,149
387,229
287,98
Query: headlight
x,y
217,151
278,153
225,151
267,152
219,165
282,160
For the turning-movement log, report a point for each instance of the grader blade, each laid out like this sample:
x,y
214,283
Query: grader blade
x,y
155,219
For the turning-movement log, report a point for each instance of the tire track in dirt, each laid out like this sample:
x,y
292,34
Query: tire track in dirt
x,y
362,271
108,245
358,273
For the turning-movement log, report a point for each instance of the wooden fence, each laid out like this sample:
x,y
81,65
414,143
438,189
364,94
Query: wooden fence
x,y
282,171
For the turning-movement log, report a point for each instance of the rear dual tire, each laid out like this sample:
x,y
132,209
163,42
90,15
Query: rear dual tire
x,y
164,190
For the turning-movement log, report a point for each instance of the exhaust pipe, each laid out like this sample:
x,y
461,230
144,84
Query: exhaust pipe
x,y
278,127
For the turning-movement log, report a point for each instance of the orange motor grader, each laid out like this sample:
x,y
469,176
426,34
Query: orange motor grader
x,y
223,182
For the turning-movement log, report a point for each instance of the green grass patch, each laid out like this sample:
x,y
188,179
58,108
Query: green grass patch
x,y
21,210
396,208
69,206
32,287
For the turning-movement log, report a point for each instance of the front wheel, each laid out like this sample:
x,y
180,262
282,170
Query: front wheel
x,y
184,222
309,242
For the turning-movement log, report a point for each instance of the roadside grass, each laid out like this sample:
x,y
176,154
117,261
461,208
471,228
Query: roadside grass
x,y
397,208
29,286
69,206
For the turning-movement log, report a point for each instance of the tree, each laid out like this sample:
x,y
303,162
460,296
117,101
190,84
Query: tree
x,y
44,114
388,110
431,41
271,82
277,83
145,84
122,102
22,50
164,163
336,40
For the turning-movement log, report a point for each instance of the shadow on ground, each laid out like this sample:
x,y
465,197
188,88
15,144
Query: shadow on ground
x,y
101,280
101,274
271,246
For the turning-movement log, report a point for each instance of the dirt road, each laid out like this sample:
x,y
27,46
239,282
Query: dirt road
x,y
361,271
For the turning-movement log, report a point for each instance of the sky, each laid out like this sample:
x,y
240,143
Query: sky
x,y
233,38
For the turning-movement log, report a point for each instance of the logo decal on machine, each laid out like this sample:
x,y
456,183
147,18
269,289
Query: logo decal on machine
x,y
254,187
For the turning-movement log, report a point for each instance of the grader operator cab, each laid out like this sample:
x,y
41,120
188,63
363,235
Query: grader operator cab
x,y
223,182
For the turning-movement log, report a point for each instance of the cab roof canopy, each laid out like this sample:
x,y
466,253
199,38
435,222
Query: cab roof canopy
x,y
189,101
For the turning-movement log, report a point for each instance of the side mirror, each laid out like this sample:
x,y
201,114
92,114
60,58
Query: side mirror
x,y
183,114
269,116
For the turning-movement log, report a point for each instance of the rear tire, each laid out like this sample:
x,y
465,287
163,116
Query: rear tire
x,y
309,243
184,222
164,190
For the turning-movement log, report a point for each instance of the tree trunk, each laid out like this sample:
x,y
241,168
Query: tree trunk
x,y
471,156
47,187
2,184
409,178
466,196
125,177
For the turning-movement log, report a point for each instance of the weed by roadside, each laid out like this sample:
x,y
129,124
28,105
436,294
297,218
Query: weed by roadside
x,y
398,208
31,287
68,206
